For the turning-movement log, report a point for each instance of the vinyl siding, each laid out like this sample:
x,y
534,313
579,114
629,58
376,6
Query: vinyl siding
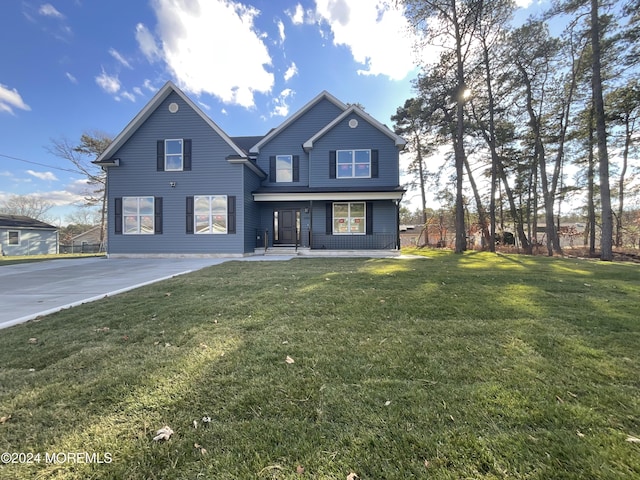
x,y
290,140
32,242
364,136
211,174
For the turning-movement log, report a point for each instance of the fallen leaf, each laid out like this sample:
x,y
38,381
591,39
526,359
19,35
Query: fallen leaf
x,y
352,476
195,424
559,399
587,284
289,360
204,346
168,294
203,451
630,438
5,419
299,469
163,434
33,340
426,464
387,403
125,337
102,329
206,419
572,394
579,433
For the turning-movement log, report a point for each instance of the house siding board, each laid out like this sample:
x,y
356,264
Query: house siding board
x,y
343,137
290,140
252,211
211,174
32,242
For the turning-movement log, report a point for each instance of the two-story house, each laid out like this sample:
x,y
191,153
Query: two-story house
x,y
326,178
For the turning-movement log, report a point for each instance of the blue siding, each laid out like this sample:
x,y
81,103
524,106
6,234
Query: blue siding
x,y
211,174
290,140
364,136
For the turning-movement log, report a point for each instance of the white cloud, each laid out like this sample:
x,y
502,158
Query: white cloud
x,y
149,86
283,36
147,43
128,95
291,72
110,84
48,176
49,10
281,108
10,99
376,32
297,15
523,3
195,37
115,54
71,78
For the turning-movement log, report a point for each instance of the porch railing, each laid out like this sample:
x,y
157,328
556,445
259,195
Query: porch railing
x,y
377,241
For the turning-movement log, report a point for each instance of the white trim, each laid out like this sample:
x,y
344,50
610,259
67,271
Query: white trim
x,y
276,131
398,140
151,107
334,196
9,232
181,140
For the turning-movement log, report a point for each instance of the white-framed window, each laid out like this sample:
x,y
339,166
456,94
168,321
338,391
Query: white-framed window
x,y
284,168
353,164
349,218
13,237
173,154
138,215
210,214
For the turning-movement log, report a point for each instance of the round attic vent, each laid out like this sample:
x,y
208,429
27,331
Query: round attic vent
x,y
353,123
173,107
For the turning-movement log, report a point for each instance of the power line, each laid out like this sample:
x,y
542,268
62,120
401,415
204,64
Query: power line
x,y
40,164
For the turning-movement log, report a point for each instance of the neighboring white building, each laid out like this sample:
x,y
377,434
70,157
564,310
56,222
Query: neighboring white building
x,y
21,235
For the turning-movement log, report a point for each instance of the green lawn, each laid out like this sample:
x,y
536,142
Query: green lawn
x,y
446,367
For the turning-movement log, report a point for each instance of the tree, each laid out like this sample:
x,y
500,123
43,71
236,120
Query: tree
x,y
457,21
30,206
91,145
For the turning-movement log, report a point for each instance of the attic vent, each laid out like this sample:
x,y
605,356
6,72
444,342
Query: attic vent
x,y
353,123
173,107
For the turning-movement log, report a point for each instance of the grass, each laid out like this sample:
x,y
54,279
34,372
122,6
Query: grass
x,y
444,366
13,259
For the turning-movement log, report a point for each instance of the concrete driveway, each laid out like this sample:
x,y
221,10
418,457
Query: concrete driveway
x,y
29,290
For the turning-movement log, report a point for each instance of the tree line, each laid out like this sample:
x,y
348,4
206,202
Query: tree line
x,y
514,108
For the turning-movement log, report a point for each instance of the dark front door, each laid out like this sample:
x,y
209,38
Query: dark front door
x,y
286,226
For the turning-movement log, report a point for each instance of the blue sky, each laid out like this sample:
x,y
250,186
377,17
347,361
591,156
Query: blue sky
x,y
70,66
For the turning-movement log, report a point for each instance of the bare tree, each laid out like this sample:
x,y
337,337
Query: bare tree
x,y
28,206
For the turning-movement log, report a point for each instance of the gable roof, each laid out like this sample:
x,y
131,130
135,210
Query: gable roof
x,y
398,140
146,112
20,221
324,95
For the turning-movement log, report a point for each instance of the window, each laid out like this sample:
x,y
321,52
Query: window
x,y
210,213
14,237
349,218
173,155
138,215
353,164
284,168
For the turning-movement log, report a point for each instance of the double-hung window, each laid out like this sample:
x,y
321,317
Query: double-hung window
x,y
173,155
353,164
13,237
349,218
210,214
138,215
284,168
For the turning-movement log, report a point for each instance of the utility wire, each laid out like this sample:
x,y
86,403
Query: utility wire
x,y
40,164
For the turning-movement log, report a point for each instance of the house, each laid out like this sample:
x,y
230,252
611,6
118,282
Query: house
x,y
22,235
326,178
86,242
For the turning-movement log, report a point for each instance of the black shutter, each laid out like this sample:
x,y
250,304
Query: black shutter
x,y
374,163
369,218
160,156
186,155
329,223
332,164
272,168
189,214
117,221
158,215
296,168
231,214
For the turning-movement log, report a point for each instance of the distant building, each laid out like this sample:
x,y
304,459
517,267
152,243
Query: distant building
x,y
21,235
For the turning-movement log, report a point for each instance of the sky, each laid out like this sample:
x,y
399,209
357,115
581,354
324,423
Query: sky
x,y
75,66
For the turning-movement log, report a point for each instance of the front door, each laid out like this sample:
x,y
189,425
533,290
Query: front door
x,y
286,226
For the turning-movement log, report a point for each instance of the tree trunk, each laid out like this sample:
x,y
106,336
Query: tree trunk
x,y
623,172
606,240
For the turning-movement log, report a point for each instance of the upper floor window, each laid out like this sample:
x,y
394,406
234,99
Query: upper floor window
x,y
138,215
284,168
173,154
353,164
210,213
